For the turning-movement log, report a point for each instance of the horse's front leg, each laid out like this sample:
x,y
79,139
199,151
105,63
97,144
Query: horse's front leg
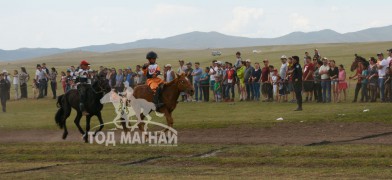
x,y
99,115
77,122
88,120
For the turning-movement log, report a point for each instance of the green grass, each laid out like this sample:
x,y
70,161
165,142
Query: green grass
x,y
86,161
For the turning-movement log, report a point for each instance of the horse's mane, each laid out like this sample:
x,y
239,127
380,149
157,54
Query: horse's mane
x,y
362,60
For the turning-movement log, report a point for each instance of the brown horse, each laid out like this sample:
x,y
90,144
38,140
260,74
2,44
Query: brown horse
x,y
358,59
170,93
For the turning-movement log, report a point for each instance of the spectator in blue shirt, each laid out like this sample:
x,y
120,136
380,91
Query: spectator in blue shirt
x,y
196,83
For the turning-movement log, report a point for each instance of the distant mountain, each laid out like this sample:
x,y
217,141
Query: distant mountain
x,y
202,40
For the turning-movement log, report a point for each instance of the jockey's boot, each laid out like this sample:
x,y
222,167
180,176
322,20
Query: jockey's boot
x,y
158,103
84,112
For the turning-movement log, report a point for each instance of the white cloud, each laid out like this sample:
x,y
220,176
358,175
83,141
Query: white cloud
x,y
242,17
334,9
299,22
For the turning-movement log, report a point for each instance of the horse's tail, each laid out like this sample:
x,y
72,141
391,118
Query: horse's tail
x,y
60,112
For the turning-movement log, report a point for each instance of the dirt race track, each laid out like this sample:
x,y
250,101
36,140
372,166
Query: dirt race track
x,y
281,134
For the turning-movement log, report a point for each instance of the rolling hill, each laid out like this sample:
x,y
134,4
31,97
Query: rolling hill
x,y
204,40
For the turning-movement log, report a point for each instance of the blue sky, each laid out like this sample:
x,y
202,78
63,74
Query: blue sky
x,y
75,23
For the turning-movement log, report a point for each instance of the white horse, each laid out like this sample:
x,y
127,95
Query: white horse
x,y
120,107
140,106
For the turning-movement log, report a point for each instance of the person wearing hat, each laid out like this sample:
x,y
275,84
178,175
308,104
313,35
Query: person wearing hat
x,y
152,70
283,81
4,85
84,83
41,77
382,66
181,70
169,73
297,81
325,81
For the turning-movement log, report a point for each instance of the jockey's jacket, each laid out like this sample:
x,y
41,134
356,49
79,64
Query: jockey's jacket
x,y
83,75
149,71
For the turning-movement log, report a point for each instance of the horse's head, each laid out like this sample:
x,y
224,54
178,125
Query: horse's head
x,y
184,85
357,60
102,84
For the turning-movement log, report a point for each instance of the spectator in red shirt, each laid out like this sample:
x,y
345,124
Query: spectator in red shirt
x,y
308,78
266,86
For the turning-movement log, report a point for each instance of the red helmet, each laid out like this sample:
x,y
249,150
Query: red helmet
x,y
84,62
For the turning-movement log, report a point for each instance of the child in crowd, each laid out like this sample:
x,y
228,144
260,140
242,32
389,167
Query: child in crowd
x,y
63,81
342,85
275,85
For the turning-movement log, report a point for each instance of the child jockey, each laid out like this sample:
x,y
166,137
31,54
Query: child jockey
x,y
151,71
84,84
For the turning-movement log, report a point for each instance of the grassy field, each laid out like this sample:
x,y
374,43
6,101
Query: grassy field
x,y
75,159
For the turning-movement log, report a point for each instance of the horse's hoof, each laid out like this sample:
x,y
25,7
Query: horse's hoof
x,y
65,135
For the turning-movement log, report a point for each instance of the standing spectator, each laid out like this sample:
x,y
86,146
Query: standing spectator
x,y
204,83
4,84
256,75
334,75
248,81
181,70
388,86
306,55
289,77
265,86
317,81
15,82
23,78
381,74
317,55
53,81
218,82
297,81
275,84
230,77
240,75
41,77
130,77
308,78
237,65
140,77
45,83
119,81
364,82
342,83
358,86
169,74
325,81
8,78
224,81
68,81
212,72
63,81
373,79
282,74
188,73
196,73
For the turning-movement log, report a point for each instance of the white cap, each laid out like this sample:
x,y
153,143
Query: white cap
x,y
168,65
248,60
219,62
5,71
283,57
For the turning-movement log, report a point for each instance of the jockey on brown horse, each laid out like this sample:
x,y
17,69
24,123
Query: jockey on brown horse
x,y
151,70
